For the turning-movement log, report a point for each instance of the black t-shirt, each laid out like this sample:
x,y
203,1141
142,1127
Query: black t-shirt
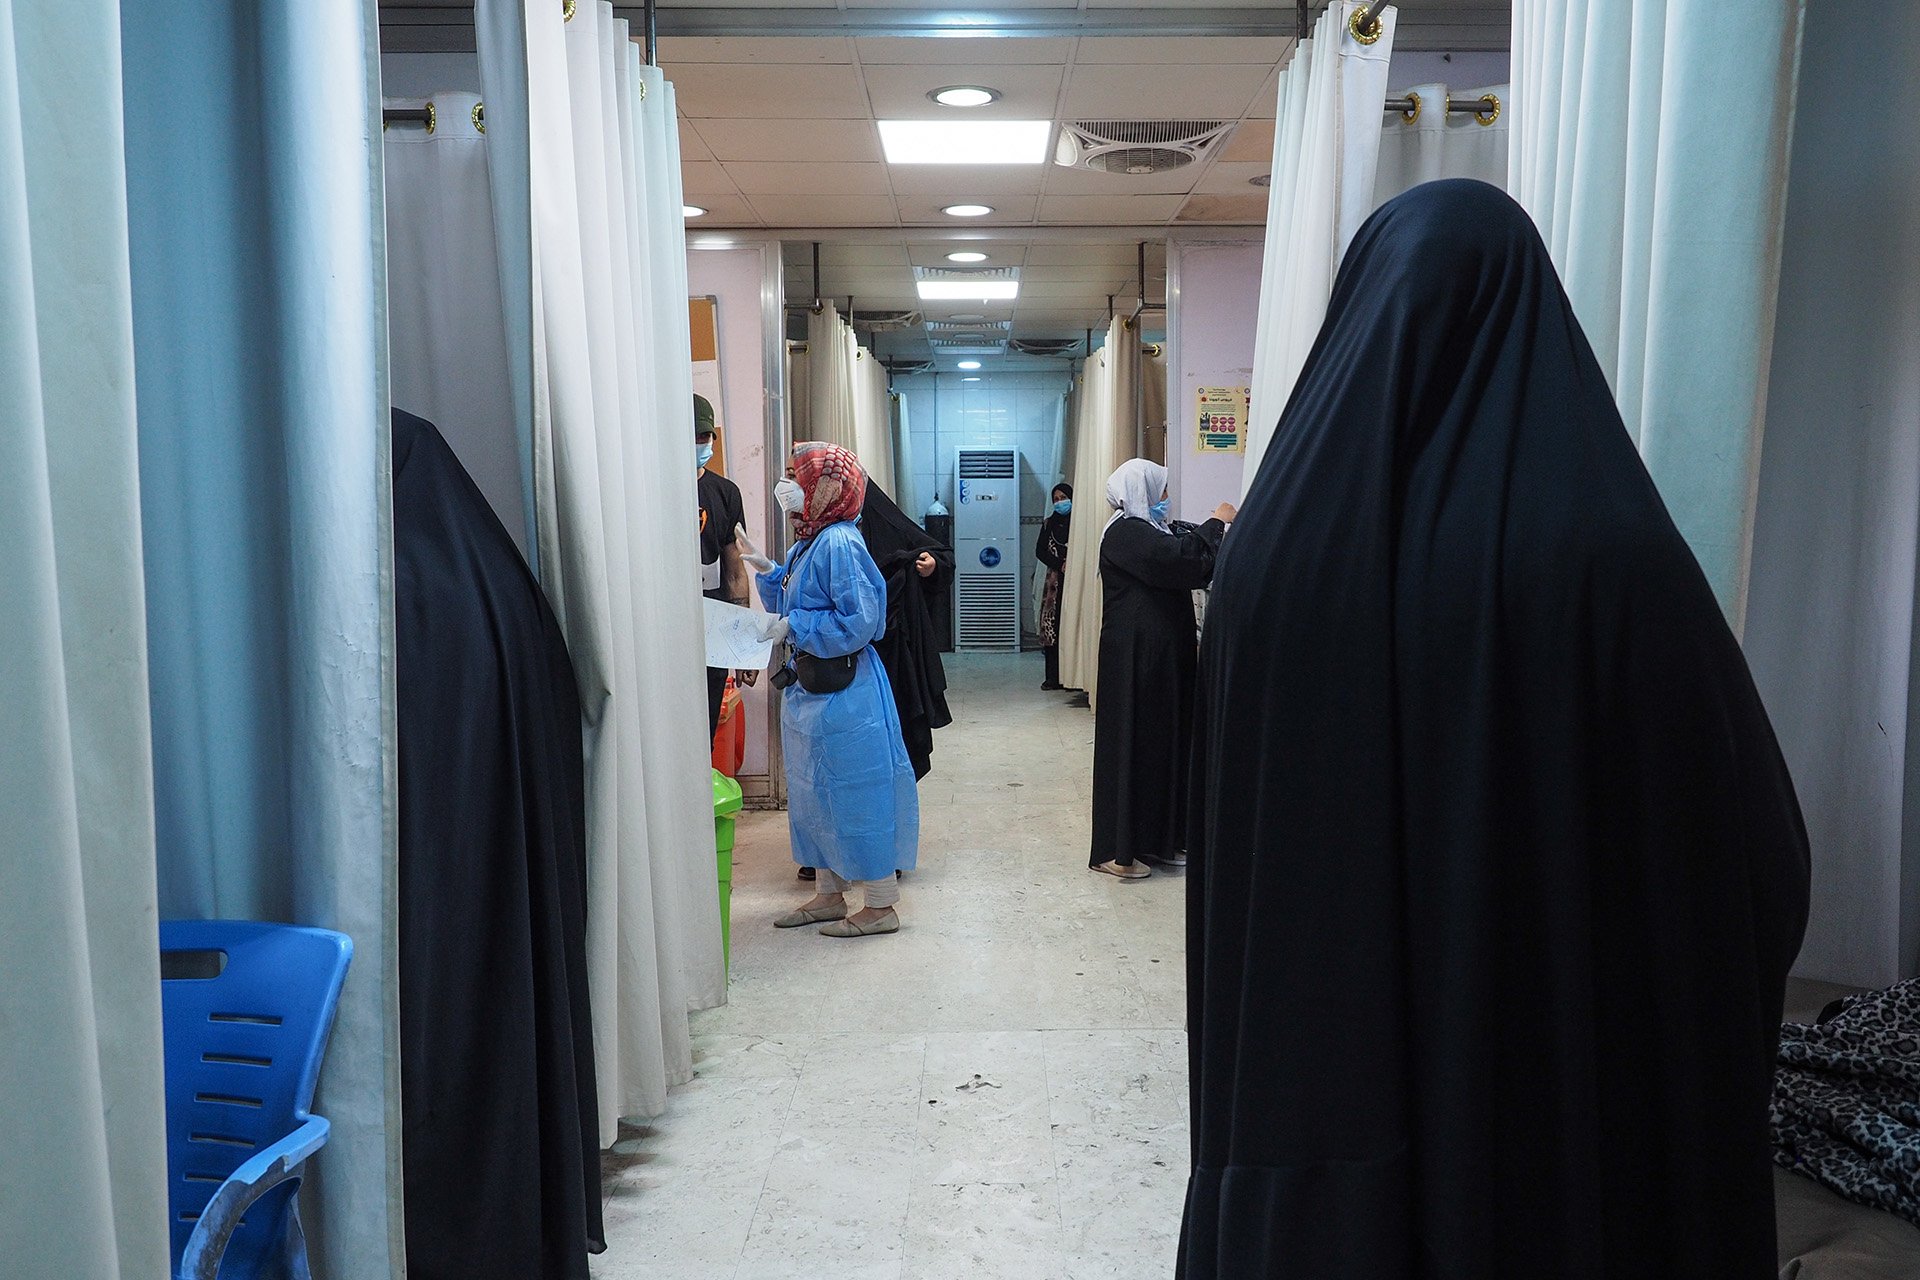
x,y
721,512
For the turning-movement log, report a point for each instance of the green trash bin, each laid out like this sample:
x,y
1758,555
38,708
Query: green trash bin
x,y
726,803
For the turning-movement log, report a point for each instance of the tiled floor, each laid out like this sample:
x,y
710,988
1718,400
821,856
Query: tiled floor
x,y
998,1092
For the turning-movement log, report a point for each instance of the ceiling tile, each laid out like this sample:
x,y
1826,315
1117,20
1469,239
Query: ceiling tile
x,y
881,51
811,140
1027,93
1088,182
691,145
824,211
1107,276
1251,142
1162,92
1202,50
1109,211
677,51
1246,210
1118,255
767,92
704,178
723,211
1006,209
998,254
1266,100
967,182
755,178
1234,180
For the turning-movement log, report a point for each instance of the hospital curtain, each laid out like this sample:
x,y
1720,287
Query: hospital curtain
x,y
259,316
1104,437
907,499
830,348
617,526
1325,141
1430,142
873,419
83,1182
1649,143
446,323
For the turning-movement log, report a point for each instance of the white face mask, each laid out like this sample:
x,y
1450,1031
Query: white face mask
x,y
791,497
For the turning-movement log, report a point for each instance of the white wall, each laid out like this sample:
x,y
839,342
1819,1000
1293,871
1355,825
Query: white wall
x,y
736,278
1001,410
1213,306
1830,622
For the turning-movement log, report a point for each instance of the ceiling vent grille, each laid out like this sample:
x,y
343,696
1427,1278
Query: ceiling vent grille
x,y
971,345
1137,147
1046,346
966,275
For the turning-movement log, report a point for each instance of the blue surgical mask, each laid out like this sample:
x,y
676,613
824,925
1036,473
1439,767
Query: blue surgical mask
x,y
1160,509
704,453
1063,507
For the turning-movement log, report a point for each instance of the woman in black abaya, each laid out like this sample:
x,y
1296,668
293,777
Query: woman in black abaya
x,y
918,569
1148,574
1497,869
1051,551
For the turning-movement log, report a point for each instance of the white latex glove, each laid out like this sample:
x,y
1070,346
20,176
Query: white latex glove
x,y
777,627
758,563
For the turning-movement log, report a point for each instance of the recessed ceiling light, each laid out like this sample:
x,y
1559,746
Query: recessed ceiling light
x,y
967,256
967,210
969,364
692,211
965,141
968,290
970,317
964,95
969,379
1264,180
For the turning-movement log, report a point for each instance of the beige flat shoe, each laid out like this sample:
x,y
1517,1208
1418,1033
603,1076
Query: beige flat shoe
x,y
889,923
800,917
1131,872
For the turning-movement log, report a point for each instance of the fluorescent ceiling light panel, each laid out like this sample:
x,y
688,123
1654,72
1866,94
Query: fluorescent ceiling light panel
x,y
966,141
968,290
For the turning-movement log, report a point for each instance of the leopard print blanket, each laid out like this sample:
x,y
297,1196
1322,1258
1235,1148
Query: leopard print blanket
x,y
1846,1099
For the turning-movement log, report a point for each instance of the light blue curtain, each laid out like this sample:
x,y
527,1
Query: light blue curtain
x,y
82,1147
259,320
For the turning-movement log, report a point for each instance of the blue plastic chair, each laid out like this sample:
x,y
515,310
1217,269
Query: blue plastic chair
x,y
247,1008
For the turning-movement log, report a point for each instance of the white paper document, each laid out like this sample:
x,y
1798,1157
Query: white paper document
x,y
738,639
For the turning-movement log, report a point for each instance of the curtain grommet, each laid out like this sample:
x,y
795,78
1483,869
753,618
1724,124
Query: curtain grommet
x,y
480,117
1490,110
643,90
433,118
1412,114
1368,34
566,10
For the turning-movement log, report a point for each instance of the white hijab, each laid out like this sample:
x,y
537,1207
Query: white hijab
x,y
1133,489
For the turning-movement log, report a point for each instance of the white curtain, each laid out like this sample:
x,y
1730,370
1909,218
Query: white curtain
x,y
1325,142
1649,143
446,322
1103,438
830,379
873,419
83,1179
1431,142
259,322
617,528
907,497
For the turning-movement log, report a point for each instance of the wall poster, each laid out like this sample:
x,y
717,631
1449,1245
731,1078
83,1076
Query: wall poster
x,y
1223,419
703,315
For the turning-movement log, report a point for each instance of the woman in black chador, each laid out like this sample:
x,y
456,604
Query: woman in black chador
x,y
1148,574
500,1118
919,569
1051,552
1497,869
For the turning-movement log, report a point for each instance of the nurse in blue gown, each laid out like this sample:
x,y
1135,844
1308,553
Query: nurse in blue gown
x,y
852,808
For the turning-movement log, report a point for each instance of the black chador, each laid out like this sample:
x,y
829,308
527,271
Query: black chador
x,y
1498,871
500,1137
910,649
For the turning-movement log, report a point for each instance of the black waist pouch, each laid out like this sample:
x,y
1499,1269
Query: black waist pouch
x,y
825,675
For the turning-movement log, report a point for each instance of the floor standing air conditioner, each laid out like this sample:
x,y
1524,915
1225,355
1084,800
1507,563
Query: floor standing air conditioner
x,y
986,548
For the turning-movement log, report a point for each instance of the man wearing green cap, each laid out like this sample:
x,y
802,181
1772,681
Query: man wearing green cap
x,y
723,574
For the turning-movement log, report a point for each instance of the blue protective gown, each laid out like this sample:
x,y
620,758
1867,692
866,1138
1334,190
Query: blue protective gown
x,y
851,801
